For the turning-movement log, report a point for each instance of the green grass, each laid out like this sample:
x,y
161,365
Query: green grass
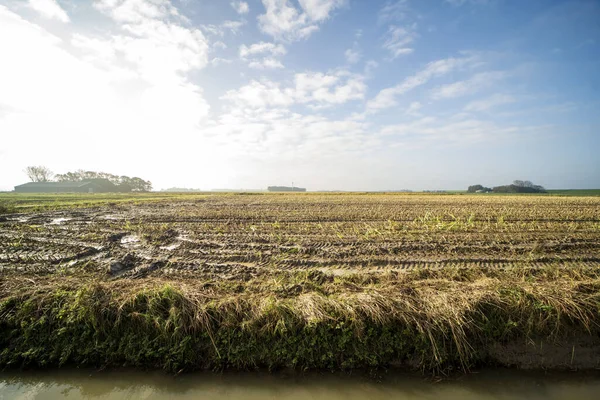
x,y
28,202
575,192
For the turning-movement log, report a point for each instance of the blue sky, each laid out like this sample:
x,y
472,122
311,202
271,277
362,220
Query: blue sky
x,y
329,94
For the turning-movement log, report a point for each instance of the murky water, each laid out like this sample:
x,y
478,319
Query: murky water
x,y
113,385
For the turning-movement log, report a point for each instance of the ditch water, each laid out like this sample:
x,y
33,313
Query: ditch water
x,y
127,384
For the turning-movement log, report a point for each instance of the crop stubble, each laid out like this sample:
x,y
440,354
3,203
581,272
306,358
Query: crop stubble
x,y
231,236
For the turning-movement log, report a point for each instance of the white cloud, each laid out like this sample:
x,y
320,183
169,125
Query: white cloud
x,y
387,97
297,139
284,21
394,11
310,88
233,26
370,66
413,108
263,55
319,10
260,95
490,102
241,7
262,48
136,11
224,27
427,131
398,40
49,9
161,49
472,85
219,45
266,63
336,88
215,62
352,56
95,50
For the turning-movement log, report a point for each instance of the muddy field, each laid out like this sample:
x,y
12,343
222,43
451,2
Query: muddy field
x,y
240,236
335,281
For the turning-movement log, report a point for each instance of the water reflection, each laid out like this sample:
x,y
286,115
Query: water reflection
x,y
126,384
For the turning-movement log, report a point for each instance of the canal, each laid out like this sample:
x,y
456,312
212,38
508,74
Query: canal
x,y
128,384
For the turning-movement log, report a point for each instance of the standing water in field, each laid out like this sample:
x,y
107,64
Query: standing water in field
x,y
114,385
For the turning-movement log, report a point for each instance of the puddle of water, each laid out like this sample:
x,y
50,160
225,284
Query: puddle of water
x,y
113,385
130,239
59,221
185,238
171,247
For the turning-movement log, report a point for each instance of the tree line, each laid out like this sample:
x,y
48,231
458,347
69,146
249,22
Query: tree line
x,y
517,186
123,183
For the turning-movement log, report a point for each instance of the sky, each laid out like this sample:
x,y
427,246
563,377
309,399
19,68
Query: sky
x,y
327,94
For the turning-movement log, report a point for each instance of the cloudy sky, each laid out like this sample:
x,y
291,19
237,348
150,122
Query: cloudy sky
x,y
328,94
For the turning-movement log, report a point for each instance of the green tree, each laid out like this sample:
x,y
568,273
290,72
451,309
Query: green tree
x,y
124,183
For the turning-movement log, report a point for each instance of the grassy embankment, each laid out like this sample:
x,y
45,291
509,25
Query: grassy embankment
x,y
426,319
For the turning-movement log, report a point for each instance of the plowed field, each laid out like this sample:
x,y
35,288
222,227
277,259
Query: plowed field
x,y
240,236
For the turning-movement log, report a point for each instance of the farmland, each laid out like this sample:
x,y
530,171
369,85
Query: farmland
x,y
303,280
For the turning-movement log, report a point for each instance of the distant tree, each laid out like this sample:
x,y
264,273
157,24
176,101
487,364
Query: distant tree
x,y
124,188
140,185
39,173
520,187
539,188
68,177
123,183
526,184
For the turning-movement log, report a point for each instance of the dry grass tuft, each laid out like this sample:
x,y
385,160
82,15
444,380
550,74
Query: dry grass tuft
x,y
437,320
